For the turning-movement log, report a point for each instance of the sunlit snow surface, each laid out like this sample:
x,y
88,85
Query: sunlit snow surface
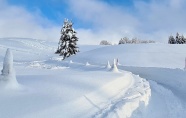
x,y
83,86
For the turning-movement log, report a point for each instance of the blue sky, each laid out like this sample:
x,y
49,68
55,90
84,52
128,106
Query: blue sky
x,y
94,20
52,8
57,10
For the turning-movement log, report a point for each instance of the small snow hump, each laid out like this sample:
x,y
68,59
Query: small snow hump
x,y
71,62
185,64
8,76
108,66
114,67
87,64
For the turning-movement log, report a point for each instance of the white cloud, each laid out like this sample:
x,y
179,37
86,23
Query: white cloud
x,y
155,19
109,22
16,21
152,19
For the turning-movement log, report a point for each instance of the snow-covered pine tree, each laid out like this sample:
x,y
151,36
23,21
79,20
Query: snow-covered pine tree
x,y
177,38
68,41
182,39
171,40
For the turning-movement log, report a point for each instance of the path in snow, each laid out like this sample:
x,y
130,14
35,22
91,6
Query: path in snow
x,y
165,101
127,101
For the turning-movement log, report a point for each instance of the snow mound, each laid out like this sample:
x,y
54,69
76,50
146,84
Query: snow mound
x,y
8,76
87,64
114,67
108,66
71,62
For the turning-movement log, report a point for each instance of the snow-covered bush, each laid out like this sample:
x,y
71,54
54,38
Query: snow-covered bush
x,y
151,41
104,42
68,41
8,76
126,40
135,40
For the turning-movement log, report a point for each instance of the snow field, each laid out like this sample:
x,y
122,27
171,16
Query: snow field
x,y
51,88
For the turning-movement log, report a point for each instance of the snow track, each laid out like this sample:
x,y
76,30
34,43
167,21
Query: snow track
x,y
163,104
170,104
127,101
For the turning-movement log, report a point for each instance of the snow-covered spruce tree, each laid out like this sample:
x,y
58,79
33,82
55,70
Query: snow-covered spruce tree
x,y
178,39
171,40
68,41
8,76
182,40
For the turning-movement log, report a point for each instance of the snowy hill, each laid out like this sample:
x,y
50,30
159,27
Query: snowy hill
x,y
141,55
51,88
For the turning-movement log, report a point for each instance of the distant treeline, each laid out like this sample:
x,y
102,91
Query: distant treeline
x,y
177,40
126,40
